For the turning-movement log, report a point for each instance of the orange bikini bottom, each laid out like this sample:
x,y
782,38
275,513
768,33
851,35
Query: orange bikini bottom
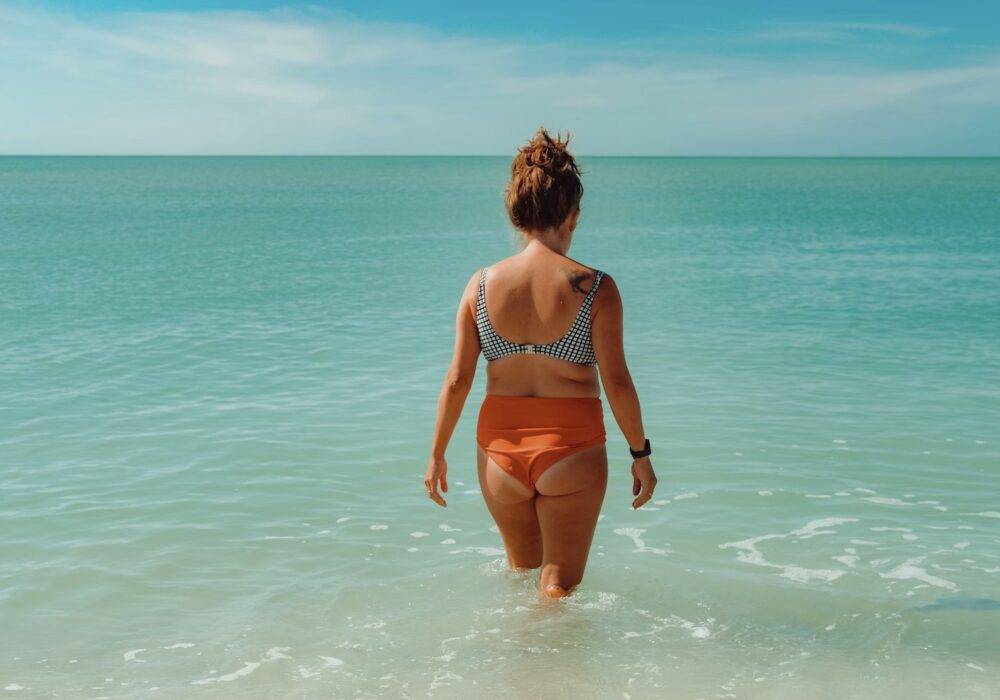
x,y
526,435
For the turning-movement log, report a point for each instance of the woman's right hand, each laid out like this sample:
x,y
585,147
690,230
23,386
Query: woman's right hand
x,y
643,481
436,475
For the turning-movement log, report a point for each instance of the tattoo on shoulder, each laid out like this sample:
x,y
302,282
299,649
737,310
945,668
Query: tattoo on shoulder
x,y
576,277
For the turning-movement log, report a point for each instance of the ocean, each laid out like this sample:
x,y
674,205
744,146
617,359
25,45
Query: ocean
x,y
218,380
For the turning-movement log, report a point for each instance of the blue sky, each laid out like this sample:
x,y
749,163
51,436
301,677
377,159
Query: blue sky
x,y
680,78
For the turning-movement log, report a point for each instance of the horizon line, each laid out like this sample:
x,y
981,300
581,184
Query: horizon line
x,y
480,155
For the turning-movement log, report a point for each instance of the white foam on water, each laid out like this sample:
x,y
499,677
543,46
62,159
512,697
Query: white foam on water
x,y
698,631
448,528
487,551
847,559
661,502
470,491
988,514
635,534
307,673
818,495
929,503
448,541
961,545
272,654
861,490
180,645
842,493
910,570
749,554
886,501
684,496
13,686
910,537
130,655
459,483
412,549
978,668
831,627
418,534
343,519
331,661
378,526
815,527
765,493
882,528
602,601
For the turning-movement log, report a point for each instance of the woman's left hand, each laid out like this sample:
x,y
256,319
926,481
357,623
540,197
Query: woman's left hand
x,y
437,472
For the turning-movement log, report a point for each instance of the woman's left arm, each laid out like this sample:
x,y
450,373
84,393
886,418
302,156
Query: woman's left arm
x,y
457,383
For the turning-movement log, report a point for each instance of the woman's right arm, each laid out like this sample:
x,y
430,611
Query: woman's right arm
x,y
607,332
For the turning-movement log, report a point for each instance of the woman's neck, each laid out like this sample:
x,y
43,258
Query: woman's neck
x,y
551,239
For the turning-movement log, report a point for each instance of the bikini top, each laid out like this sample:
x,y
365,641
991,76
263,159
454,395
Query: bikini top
x,y
575,346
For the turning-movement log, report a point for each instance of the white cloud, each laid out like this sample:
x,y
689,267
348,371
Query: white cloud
x,y
312,81
840,31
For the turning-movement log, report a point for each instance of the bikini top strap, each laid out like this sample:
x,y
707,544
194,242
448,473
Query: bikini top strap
x,y
583,315
589,299
482,282
482,318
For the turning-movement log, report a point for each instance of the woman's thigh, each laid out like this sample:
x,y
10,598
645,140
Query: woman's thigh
x,y
512,506
570,494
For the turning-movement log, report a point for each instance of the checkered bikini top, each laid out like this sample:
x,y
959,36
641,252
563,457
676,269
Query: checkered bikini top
x,y
574,347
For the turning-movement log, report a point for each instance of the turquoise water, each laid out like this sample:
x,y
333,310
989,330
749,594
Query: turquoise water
x,y
217,389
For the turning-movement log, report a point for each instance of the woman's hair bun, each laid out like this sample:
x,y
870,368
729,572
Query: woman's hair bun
x,y
544,186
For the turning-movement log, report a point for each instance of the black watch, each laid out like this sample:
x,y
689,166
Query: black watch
x,y
644,452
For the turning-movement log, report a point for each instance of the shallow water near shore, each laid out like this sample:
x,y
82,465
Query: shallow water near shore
x,y
217,388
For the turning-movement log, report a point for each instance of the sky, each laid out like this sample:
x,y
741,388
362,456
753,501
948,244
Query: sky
x,y
441,78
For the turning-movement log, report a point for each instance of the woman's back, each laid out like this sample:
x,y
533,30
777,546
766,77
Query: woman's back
x,y
533,313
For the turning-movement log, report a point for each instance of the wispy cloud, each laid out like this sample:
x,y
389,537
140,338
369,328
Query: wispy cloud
x,y
314,81
841,31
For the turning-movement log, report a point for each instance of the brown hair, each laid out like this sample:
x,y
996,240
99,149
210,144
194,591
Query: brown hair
x,y
545,185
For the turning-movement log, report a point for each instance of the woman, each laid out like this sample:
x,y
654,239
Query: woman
x,y
545,323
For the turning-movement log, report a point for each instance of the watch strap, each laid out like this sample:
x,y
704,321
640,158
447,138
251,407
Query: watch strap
x,y
644,452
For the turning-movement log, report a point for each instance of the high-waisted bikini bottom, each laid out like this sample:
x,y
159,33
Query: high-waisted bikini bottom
x,y
526,435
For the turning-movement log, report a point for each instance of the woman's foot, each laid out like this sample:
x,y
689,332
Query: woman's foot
x,y
554,590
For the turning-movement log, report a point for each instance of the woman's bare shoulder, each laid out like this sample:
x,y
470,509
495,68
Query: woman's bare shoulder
x,y
471,291
581,276
607,295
